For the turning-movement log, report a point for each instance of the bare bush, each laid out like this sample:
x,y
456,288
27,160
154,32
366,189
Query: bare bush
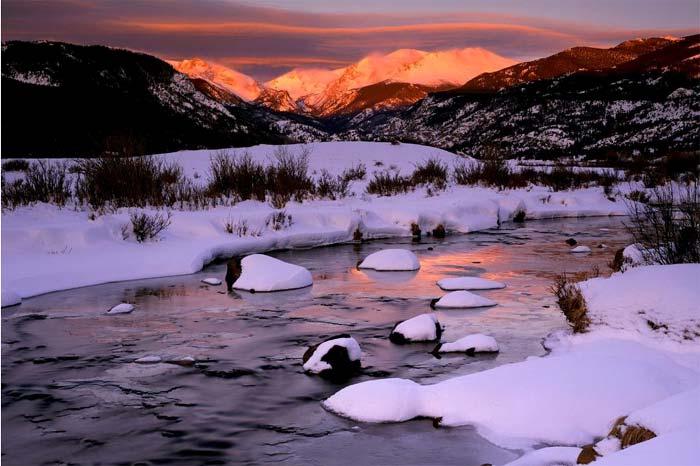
x,y
386,183
668,226
279,220
15,165
356,173
430,172
146,227
43,181
288,177
331,187
236,175
240,228
118,181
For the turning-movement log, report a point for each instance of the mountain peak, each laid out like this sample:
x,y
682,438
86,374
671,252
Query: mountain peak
x,y
227,78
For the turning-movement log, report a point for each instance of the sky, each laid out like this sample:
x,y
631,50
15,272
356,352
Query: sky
x,y
266,38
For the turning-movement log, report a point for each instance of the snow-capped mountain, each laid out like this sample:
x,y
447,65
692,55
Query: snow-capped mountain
x,y
649,104
321,92
240,84
436,70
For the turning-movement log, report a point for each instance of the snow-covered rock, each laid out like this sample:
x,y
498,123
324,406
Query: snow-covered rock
x,y
123,308
580,249
475,343
265,273
469,283
424,327
633,254
391,260
9,298
148,360
336,358
462,300
212,281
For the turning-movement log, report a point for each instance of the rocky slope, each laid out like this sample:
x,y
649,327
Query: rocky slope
x,y
69,100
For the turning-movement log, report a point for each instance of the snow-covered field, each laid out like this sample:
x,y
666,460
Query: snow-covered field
x,y
46,249
573,396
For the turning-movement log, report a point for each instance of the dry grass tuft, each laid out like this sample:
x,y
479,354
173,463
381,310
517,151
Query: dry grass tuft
x,y
630,434
571,302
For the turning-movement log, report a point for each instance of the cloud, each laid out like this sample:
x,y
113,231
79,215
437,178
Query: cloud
x,y
265,41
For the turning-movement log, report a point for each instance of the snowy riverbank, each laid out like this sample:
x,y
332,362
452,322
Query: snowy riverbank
x,y
46,249
572,397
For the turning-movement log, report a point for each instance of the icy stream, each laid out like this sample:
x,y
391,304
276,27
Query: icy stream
x,y
71,392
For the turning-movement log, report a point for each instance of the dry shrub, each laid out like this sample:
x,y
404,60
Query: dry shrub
x,y
287,177
358,172
571,302
43,182
668,226
279,220
332,187
145,226
430,172
117,181
388,184
15,165
236,175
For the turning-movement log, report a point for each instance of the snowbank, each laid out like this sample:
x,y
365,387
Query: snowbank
x,y
678,449
563,399
424,327
659,302
45,248
391,260
622,367
463,300
9,298
265,273
318,361
469,283
475,343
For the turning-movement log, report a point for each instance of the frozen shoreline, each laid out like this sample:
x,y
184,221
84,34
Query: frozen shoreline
x,y
48,249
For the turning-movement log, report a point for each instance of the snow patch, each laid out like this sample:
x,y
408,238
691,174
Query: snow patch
x,y
391,260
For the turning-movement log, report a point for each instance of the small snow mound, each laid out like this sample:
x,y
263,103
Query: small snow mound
x,y
391,260
424,327
265,273
581,249
212,281
475,343
148,360
9,298
123,308
469,283
337,357
463,300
